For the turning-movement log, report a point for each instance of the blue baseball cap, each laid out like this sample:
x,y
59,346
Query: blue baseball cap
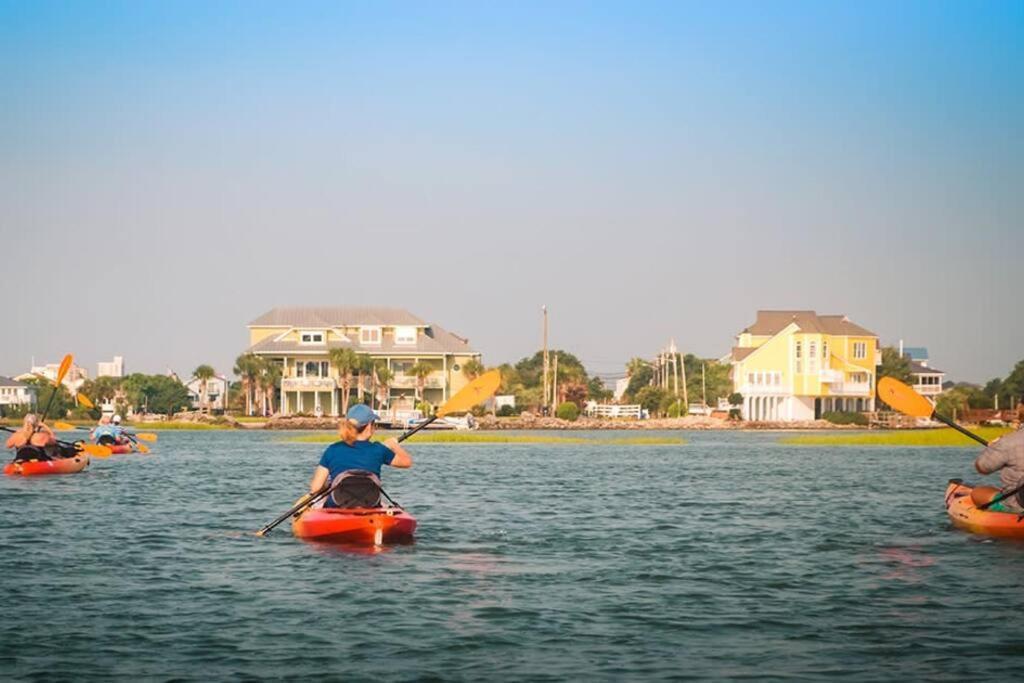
x,y
361,415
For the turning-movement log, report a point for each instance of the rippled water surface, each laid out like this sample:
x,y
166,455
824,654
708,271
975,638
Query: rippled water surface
x,y
730,556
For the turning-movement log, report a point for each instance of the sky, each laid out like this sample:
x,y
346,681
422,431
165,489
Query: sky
x,y
648,170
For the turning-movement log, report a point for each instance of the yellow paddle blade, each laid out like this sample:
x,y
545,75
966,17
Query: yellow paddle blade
x,y
96,449
476,392
142,448
62,372
84,401
63,426
145,436
903,398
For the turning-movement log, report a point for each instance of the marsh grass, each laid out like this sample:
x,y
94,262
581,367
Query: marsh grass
x,y
498,438
916,437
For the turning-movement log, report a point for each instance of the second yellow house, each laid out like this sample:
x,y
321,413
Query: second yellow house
x,y
796,365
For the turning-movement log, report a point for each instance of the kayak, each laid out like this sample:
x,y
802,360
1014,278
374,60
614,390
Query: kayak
x,y
29,468
962,511
121,448
363,526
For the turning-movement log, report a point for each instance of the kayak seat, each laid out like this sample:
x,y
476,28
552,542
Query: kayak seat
x,y
106,440
26,453
356,489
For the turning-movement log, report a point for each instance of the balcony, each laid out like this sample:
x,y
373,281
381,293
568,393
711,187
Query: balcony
x,y
401,381
830,377
764,390
928,389
308,384
850,389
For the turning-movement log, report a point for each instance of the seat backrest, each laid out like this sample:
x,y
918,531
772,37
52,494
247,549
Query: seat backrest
x,y
357,489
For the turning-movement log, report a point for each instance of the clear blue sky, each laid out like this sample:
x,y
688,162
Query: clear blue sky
x,y
169,171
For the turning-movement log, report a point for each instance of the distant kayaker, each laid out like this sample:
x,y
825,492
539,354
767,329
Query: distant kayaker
x,y
356,451
108,432
32,433
1006,456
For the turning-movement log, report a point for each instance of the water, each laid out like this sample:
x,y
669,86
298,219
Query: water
x,y
731,556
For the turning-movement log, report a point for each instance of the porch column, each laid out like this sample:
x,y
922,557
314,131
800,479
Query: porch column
x,y
334,402
444,378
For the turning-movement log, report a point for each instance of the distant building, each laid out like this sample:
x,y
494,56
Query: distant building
x,y
926,380
797,365
73,380
114,368
15,394
298,341
216,393
620,388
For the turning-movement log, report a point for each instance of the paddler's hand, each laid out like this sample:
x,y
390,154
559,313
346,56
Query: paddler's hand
x,y
392,444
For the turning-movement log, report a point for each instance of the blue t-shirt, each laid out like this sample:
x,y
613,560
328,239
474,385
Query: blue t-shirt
x,y
361,455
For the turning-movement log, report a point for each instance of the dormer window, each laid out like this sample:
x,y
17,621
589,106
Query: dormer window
x,y
311,337
369,335
405,335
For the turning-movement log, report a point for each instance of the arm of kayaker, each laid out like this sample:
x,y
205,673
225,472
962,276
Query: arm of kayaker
x,y
992,459
319,480
402,458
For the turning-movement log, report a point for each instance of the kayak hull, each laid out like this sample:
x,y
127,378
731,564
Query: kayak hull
x,y
359,526
120,449
31,468
965,515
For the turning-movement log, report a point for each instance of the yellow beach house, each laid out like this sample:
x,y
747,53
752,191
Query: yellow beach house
x,y
298,340
797,365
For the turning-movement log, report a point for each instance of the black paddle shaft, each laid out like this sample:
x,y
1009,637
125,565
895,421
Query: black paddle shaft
x,y
330,489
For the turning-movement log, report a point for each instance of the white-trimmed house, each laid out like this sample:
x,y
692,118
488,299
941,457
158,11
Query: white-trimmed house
x,y
299,339
926,380
15,394
216,393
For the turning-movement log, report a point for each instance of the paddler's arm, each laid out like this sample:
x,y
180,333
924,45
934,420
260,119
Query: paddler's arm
x,y
319,480
402,458
992,459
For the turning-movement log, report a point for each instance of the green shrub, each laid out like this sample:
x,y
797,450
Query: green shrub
x,y
425,408
568,411
845,418
506,411
675,409
735,413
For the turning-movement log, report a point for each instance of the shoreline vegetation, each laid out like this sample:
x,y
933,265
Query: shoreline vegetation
x,y
944,437
448,437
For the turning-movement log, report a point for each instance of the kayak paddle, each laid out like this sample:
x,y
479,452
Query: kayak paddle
x,y
907,401
904,399
477,391
62,372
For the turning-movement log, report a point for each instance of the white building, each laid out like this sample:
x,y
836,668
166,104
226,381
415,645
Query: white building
x,y
927,380
114,368
16,394
216,393
73,380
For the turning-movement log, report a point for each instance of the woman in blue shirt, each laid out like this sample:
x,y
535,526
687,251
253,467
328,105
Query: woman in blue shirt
x,y
356,451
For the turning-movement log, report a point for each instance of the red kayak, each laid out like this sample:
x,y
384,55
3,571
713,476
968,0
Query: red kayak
x,y
30,468
362,526
120,448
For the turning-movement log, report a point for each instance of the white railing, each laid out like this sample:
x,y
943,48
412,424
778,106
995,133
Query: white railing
x,y
928,389
612,410
850,389
399,381
831,376
764,390
308,384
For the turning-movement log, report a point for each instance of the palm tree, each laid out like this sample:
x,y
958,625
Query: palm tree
x,y
247,368
382,377
204,373
269,378
364,368
346,361
421,371
472,369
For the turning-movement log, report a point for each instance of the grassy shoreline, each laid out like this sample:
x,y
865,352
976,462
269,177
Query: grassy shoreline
x,y
942,438
499,438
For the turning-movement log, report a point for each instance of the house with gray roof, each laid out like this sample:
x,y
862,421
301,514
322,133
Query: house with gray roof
x,y
15,394
927,380
300,340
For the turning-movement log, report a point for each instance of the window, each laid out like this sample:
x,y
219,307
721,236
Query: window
x,y
307,337
369,335
860,350
824,351
812,352
405,335
750,378
799,356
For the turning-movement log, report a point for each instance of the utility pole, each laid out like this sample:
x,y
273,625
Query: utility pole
x,y
703,385
686,392
554,384
545,346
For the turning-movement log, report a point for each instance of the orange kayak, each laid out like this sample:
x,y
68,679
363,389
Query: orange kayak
x,y
29,468
965,515
362,526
